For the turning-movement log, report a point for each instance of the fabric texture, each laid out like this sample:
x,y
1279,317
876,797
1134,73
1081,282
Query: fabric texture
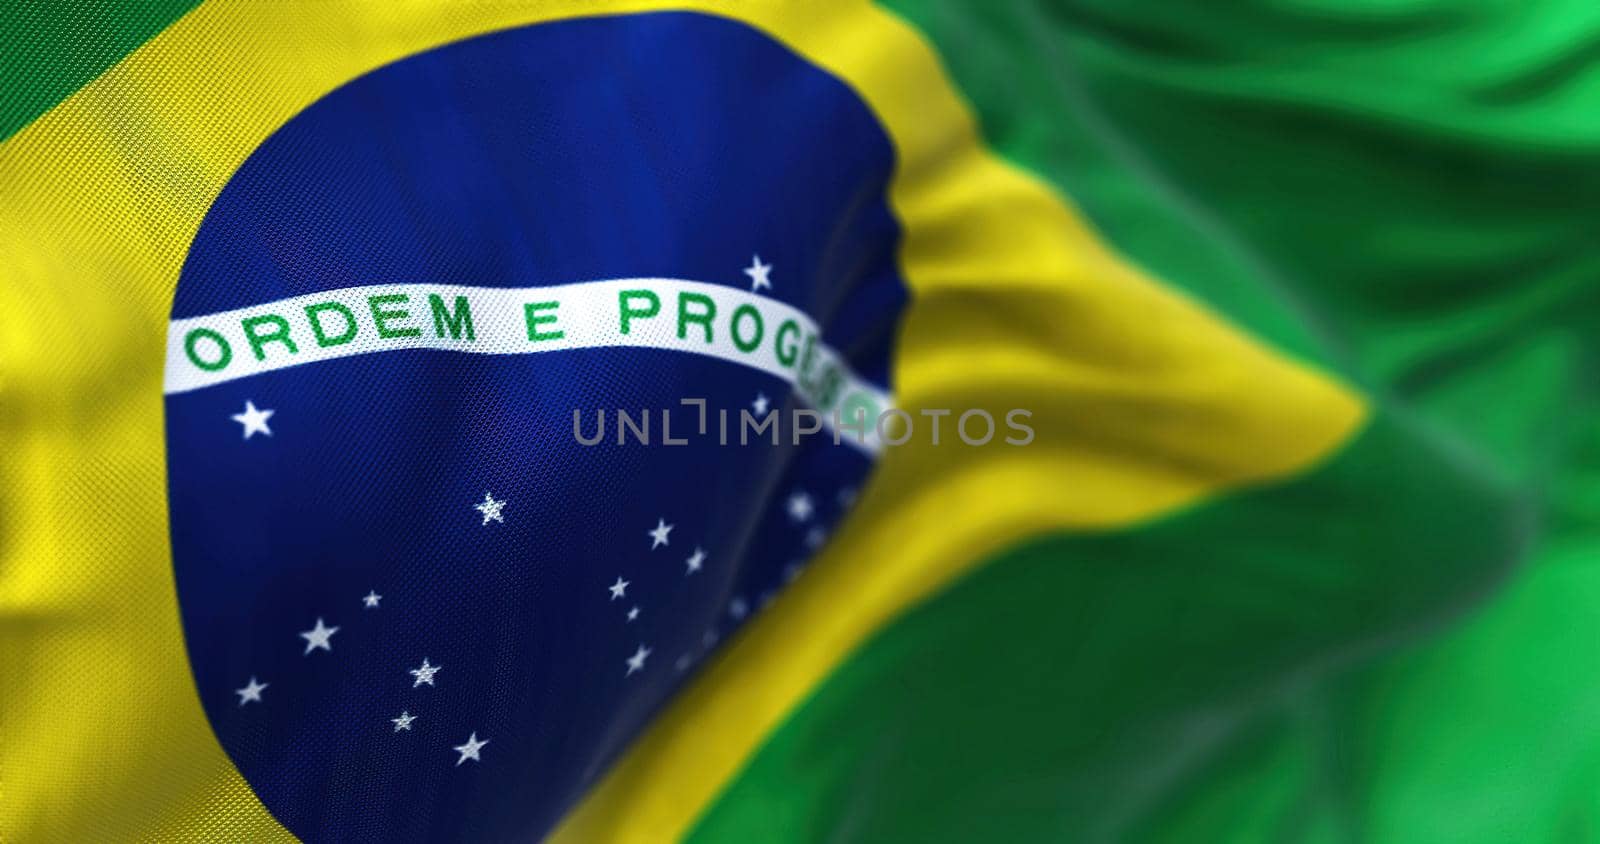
x,y
1301,297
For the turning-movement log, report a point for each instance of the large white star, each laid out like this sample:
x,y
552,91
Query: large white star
x,y
490,509
319,637
636,662
470,749
619,589
251,692
761,405
424,674
758,274
695,562
800,507
254,420
371,599
658,536
403,722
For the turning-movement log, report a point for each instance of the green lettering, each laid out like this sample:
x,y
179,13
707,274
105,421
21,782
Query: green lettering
x,y
703,317
313,316
807,357
827,391
750,311
442,317
859,405
382,316
258,340
629,313
208,334
530,310
787,355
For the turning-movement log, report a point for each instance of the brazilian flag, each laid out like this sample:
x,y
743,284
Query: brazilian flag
x,y
767,420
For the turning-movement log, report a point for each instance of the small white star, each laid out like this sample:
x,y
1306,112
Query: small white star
x,y
319,637
695,562
847,497
633,613
371,599
620,588
636,662
470,749
425,673
490,509
738,608
683,663
815,537
800,507
758,274
250,692
253,420
760,405
658,537
708,638
403,722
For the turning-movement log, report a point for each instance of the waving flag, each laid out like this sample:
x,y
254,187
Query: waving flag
x,y
753,421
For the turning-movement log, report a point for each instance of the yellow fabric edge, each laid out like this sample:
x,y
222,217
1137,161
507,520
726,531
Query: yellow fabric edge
x,y
1143,402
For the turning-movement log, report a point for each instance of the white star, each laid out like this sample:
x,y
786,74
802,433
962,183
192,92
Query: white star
x,y
760,405
470,749
253,420
738,608
758,274
695,562
250,692
403,722
490,509
800,507
319,637
425,673
847,497
658,537
683,663
815,537
636,662
620,588
371,599
633,613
